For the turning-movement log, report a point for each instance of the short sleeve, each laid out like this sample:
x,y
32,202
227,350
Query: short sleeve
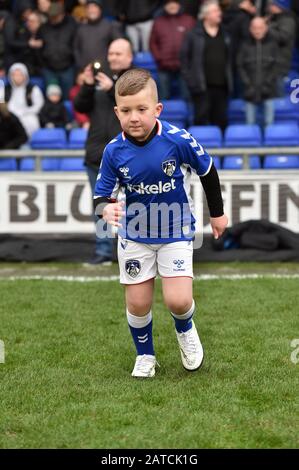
x,y
193,154
107,184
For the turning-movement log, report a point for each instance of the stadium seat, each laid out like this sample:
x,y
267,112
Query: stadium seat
x,y
175,112
72,164
69,110
285,110
282,134
27,164
49,139
242,135
281,161
146,61
217,162
290,85
236,111
77,138
208,136
8,164
235,162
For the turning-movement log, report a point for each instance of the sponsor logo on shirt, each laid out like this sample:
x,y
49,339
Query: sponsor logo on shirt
x,y
158,188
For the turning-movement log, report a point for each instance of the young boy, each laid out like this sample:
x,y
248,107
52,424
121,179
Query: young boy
x,y
151,163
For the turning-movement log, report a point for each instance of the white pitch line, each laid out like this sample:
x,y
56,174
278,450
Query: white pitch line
x,y
201,277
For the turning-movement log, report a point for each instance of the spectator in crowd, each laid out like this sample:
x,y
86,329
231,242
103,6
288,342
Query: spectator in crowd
x,y
138,18
58,48
12,133
53,113
165,44
191,7
24,100
282,26
92,39
43,7
81,119
236,20
98,102
79,12
24,41
257,62
206,66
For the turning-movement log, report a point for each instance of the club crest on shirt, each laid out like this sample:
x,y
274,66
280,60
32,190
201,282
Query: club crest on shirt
x,y
169,167
133,267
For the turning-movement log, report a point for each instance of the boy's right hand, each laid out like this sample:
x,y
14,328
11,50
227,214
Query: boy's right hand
x,y
113,212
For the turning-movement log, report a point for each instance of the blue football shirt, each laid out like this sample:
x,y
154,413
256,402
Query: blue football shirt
x,y
154,180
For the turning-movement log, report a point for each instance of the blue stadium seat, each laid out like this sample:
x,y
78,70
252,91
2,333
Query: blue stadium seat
x,y
49,139
282,134
27,164
69,110
77,138
217,161
208,136
281,161
146,61
175,112
72,164
236,111
8,164
235,162
285,110
242,135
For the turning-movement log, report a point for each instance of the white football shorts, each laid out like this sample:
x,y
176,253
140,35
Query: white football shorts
x,y
139,262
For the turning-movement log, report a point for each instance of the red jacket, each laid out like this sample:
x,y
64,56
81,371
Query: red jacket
x,y
166,39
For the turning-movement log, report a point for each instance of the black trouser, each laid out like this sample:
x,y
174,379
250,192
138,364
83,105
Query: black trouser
x,y
210,107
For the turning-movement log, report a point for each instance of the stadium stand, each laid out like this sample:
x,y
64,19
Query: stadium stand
x,y
285,110
235,162
281,162
282,134
49,139
176,112
243,135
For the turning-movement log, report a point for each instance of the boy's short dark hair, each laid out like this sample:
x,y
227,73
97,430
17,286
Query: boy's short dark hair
x,y
132,81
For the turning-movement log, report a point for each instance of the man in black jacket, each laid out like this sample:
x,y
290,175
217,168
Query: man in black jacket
x,y
96,98
57,53
206,66
257,62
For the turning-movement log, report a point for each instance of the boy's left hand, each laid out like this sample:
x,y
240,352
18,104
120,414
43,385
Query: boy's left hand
x,y
218,225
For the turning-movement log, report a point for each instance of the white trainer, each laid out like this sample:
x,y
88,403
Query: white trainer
x,y
144,366
191,348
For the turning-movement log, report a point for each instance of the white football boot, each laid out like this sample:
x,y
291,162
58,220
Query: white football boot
x,y
144,366
191,348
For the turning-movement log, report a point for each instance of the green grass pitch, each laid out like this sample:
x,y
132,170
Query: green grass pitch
x,y
66,379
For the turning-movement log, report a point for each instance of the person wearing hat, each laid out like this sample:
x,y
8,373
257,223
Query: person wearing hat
x,y
58,48
53,113
166,40
282,26
93,38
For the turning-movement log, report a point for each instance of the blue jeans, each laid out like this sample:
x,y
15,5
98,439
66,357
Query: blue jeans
x,y
266,108
104,246
166,80
64,78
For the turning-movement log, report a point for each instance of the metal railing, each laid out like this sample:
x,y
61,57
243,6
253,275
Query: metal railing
x,y
244,152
